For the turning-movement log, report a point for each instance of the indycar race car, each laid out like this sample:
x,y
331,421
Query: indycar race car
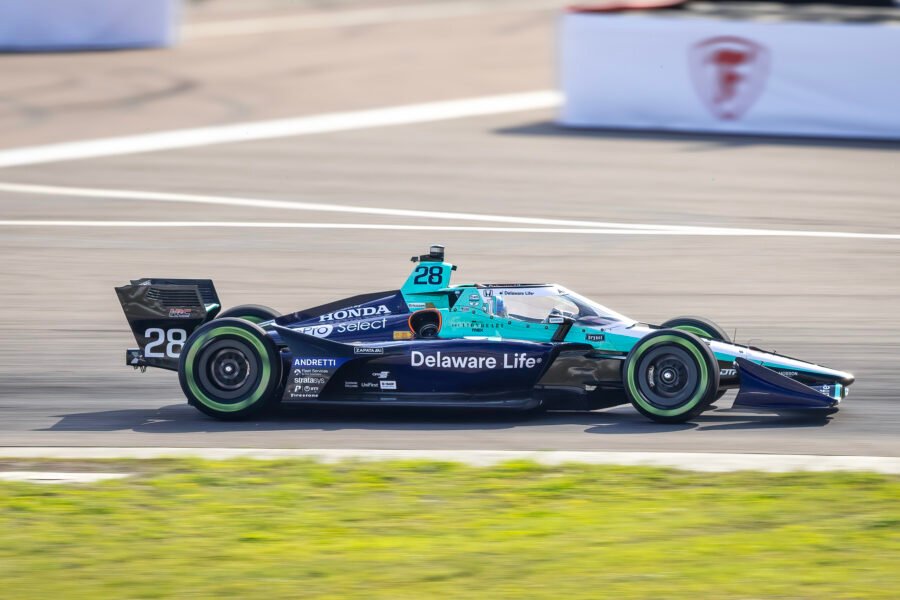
x,y
503,345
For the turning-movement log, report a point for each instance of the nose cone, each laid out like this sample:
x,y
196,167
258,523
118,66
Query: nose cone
x,y
841,377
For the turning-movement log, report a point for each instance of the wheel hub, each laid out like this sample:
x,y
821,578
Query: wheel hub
x,y
669,376
229,368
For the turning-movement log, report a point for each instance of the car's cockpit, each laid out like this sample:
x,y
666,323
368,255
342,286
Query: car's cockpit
x,y
544,304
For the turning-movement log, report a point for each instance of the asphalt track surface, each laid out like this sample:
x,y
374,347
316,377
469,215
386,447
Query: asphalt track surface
x,y
62,334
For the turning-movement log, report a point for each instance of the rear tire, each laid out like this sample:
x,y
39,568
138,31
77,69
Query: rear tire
x,y
254,313
230,369
671,376
700,327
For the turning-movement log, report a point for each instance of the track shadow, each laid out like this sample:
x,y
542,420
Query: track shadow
x,y
724,422
180,418
704,141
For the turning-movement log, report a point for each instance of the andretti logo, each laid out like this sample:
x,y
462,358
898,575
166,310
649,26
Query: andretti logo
x,y
729,74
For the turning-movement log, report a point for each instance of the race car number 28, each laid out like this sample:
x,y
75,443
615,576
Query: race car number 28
x,y
173,339
428,275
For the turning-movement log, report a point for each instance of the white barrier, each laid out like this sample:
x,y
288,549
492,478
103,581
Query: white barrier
x,y
87,24
708,75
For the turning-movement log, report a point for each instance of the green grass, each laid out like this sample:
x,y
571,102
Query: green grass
x,y
294,529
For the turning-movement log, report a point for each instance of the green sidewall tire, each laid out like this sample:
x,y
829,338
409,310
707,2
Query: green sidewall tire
x,y
707,371
700,327
254,313
264,392
703,328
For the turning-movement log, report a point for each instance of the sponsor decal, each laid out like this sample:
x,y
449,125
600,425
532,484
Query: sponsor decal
x,y
516,292
474,325
788,373
367,350
368,385
388,385
727,372
319,331
729,74
361,326
464,308
403,335
179,313
555,320
355,312
381,374
309,375
351,385
474,297
414,306
595,337
474,303
828,390
315,362
326,329
459,361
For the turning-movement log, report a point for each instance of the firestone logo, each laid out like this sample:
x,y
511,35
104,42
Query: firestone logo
x,y
729,74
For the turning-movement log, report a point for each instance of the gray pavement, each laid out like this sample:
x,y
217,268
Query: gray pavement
x,y
62,333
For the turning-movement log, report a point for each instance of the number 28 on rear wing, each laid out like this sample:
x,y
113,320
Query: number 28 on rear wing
x,y
162,313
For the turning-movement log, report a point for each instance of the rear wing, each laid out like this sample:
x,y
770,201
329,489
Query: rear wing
x,y
162,313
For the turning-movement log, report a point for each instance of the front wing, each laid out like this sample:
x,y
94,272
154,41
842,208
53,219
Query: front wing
x,y
765,389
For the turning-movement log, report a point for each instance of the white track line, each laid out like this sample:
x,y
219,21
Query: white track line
x,y
143,196
372,226
547,225
58,477
448,228
280,128
355,18
692,461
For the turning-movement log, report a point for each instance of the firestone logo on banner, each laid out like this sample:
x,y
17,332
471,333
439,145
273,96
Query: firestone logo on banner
x,y
729,74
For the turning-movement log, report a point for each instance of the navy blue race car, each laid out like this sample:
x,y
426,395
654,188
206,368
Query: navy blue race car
x,y
501,345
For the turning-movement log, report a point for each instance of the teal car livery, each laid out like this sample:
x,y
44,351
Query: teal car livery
x,y
499,345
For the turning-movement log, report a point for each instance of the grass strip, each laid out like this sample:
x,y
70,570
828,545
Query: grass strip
x,y
301,529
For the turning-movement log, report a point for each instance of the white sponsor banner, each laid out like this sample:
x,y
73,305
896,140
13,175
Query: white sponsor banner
x,y
76,24
695,74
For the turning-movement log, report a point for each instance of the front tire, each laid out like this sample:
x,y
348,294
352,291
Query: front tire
x,y
702,328
230,369
671,376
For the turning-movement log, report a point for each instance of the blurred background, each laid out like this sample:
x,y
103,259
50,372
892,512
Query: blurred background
x,y
700,170
734,160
